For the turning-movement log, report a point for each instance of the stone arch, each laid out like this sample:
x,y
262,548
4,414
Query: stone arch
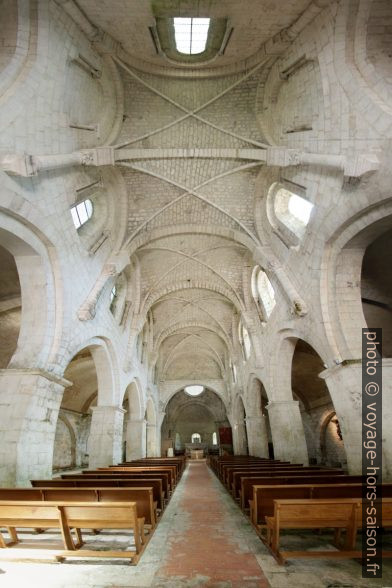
x,y
105,363
315,400
134,426
257,419
37,322
342,297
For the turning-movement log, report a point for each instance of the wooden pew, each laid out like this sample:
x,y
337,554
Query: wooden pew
x,y
143,497
119,472
274,471
178,462
262,504
141,467
248,483
337,513
73,515
154,483
229,471
224,466
237,477
128,477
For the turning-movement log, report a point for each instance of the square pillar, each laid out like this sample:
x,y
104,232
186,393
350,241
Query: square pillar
x,y
136,439
344,383
105,440
287,431
30,401
257,435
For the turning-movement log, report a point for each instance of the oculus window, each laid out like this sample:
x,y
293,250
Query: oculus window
x,y
194,390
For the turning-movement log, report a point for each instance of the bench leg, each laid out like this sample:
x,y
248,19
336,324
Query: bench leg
x,y
2,542
13,535
79,538
65,530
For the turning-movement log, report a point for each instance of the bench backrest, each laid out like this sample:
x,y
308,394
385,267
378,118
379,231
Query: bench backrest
x,y
303,513
143,497
154,483
264,496
247,483
125,478
277,470
80,514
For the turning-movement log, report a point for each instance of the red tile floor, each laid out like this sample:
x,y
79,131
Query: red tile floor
x,y
208,540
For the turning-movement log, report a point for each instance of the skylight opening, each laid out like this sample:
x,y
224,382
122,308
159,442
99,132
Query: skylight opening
x,y
81,213
300,208
194,390
191,35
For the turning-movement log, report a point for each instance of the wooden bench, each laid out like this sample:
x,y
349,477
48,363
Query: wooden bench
x,y
337,513
143,497
118,472
262,503
125,478
225,466
229,472
68,516
248,483
147,468
154,483
176,461
237,477
234,488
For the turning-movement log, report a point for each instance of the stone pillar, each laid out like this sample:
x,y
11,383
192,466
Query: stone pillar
x,y
257,435
151,440
344,383
240,444
105,440
136,439
287,431
30,400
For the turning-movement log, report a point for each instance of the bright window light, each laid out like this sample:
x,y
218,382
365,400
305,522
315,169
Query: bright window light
x,y
113,294
81,213
265,291
194,390
191,34
300,208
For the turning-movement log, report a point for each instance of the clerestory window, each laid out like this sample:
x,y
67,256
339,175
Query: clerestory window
x,y
263,292
82,212
191,35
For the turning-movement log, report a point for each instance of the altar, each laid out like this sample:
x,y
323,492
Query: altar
x,y
196,450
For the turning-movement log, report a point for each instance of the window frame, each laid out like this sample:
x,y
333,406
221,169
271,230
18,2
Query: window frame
x,y
75,212
293,232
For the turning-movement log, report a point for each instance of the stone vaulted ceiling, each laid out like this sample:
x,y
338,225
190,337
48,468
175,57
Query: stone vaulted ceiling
x,y
187,155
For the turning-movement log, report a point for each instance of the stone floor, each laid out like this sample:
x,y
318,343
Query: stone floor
x,y
203,539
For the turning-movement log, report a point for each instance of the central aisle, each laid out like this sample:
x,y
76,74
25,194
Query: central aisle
x,y
211,543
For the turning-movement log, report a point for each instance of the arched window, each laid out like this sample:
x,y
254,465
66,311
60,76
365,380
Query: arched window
x,y
263,292
191,35
233,370
82,212
245,340
214,438
292,210
196,438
